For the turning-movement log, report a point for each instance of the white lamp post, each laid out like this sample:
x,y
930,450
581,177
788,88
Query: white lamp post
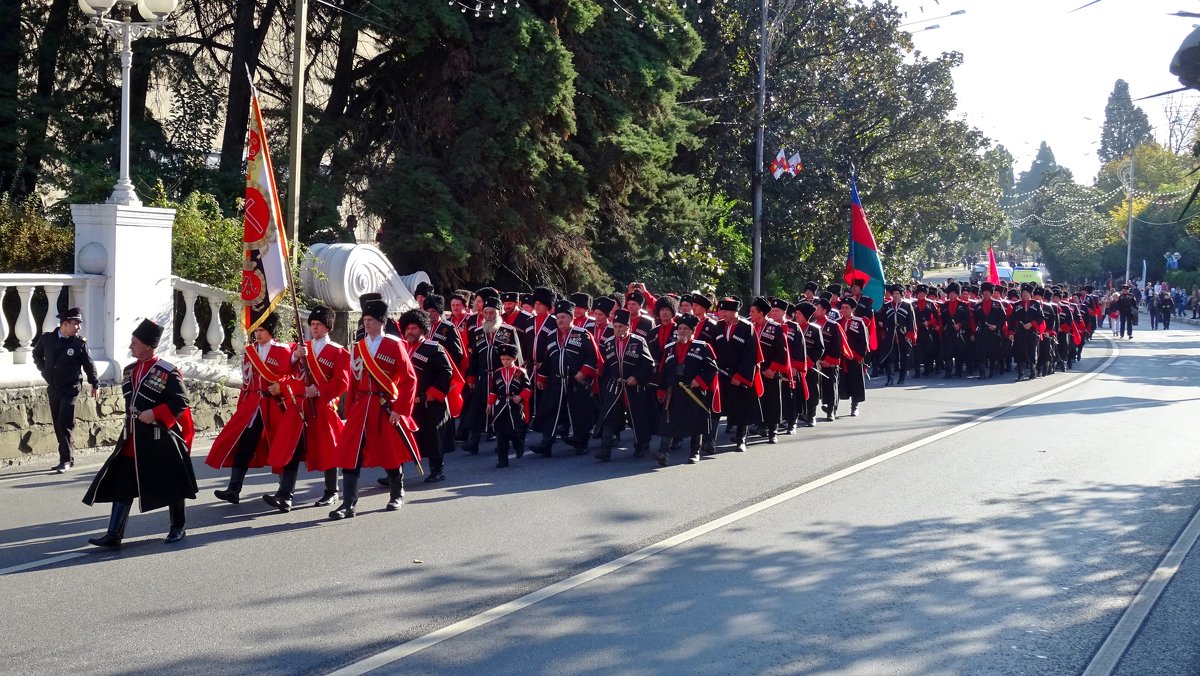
x,y
126,30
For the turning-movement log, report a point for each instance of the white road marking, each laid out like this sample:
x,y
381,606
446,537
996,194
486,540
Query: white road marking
x,y
415,645
1185,362
1113,649
43,562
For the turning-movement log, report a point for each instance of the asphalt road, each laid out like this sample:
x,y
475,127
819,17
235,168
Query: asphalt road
x,y
927,536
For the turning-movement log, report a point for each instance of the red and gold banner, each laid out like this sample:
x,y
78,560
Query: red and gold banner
x,y
264,268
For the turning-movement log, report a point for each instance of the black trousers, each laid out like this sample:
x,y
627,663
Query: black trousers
x,y
809,408
1126,325
829,389
62,411
248,443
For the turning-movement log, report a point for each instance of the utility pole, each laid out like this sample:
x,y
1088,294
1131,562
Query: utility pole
x,y
297,129
760,124
1129,227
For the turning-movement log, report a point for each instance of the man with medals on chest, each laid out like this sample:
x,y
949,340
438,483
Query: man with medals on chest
x,y
309,433
245,441
688,392
775,365
833,336
152,459
991,323
738,357
899,329
566,367
436,383
853,383
625,388
782,313
483,362
809,379
379,424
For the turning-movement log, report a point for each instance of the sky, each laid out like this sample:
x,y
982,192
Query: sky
x,y
1034,71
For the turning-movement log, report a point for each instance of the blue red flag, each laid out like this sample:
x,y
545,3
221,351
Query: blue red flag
x,y
863,260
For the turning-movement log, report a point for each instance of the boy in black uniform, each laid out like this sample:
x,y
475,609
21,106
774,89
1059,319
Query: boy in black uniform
x,y
60,355
508,405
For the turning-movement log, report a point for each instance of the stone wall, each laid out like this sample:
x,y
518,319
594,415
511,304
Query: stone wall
x,y
26,430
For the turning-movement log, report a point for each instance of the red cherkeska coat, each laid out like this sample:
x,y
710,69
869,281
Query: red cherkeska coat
x,y
255,400
329,371
371,401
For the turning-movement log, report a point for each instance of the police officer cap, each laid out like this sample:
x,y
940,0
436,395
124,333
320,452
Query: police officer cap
x,y
729,303
581,299
621,317
506,350
806,308
604,304
434,302
666,302
491,302
544,296
510,297
564,307
376,308
321,314
72,315
761,304
690,321
414,316
148,333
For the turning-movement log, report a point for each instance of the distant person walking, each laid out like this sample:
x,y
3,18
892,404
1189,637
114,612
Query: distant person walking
x,y
61,355
1128,309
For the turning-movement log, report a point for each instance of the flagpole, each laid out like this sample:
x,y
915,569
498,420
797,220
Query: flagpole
x,y
297,123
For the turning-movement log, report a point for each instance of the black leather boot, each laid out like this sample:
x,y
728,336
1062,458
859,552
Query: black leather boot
x,y
116,527
396,495
233,494
349,498
331,491
178,522
282,499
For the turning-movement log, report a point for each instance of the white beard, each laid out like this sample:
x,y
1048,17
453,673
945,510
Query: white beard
x,y
492,326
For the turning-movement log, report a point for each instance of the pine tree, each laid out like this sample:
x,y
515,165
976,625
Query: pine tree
x,y
1125,125
1044,162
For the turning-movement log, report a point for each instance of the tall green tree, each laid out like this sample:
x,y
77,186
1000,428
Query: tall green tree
x,y
1125,125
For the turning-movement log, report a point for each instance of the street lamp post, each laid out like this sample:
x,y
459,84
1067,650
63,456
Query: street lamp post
x,y
126,30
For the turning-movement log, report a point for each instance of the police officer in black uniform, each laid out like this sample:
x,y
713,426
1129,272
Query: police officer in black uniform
x,y
60,355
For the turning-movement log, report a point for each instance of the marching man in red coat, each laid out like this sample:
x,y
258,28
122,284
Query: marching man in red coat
x,y
379,424
320,375
244,441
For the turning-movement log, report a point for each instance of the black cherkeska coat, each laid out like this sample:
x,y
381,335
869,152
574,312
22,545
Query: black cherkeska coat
x,y
164,473
738,358
695,371
562,398
623,359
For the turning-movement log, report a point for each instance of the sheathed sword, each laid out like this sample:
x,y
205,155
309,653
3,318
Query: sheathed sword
x,y
692,395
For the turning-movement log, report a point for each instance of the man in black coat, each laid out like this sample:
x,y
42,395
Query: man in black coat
x,y
434,374
1026,325
687,392
808,383
775,365
61,355
898,332
991,322
928,316
625,388
483,361
566,366
955,322
737,351
151,461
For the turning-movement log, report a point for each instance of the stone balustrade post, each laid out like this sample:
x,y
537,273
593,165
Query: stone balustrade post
x,y
189,328
50,321
5,356
24,326
216,330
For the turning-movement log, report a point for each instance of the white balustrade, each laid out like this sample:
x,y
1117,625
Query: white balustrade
x,y
189,328
24,327
50,321
85,291
215,335
5,355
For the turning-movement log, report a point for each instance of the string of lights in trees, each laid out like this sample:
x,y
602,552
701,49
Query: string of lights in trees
x,y
645,21
481,8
